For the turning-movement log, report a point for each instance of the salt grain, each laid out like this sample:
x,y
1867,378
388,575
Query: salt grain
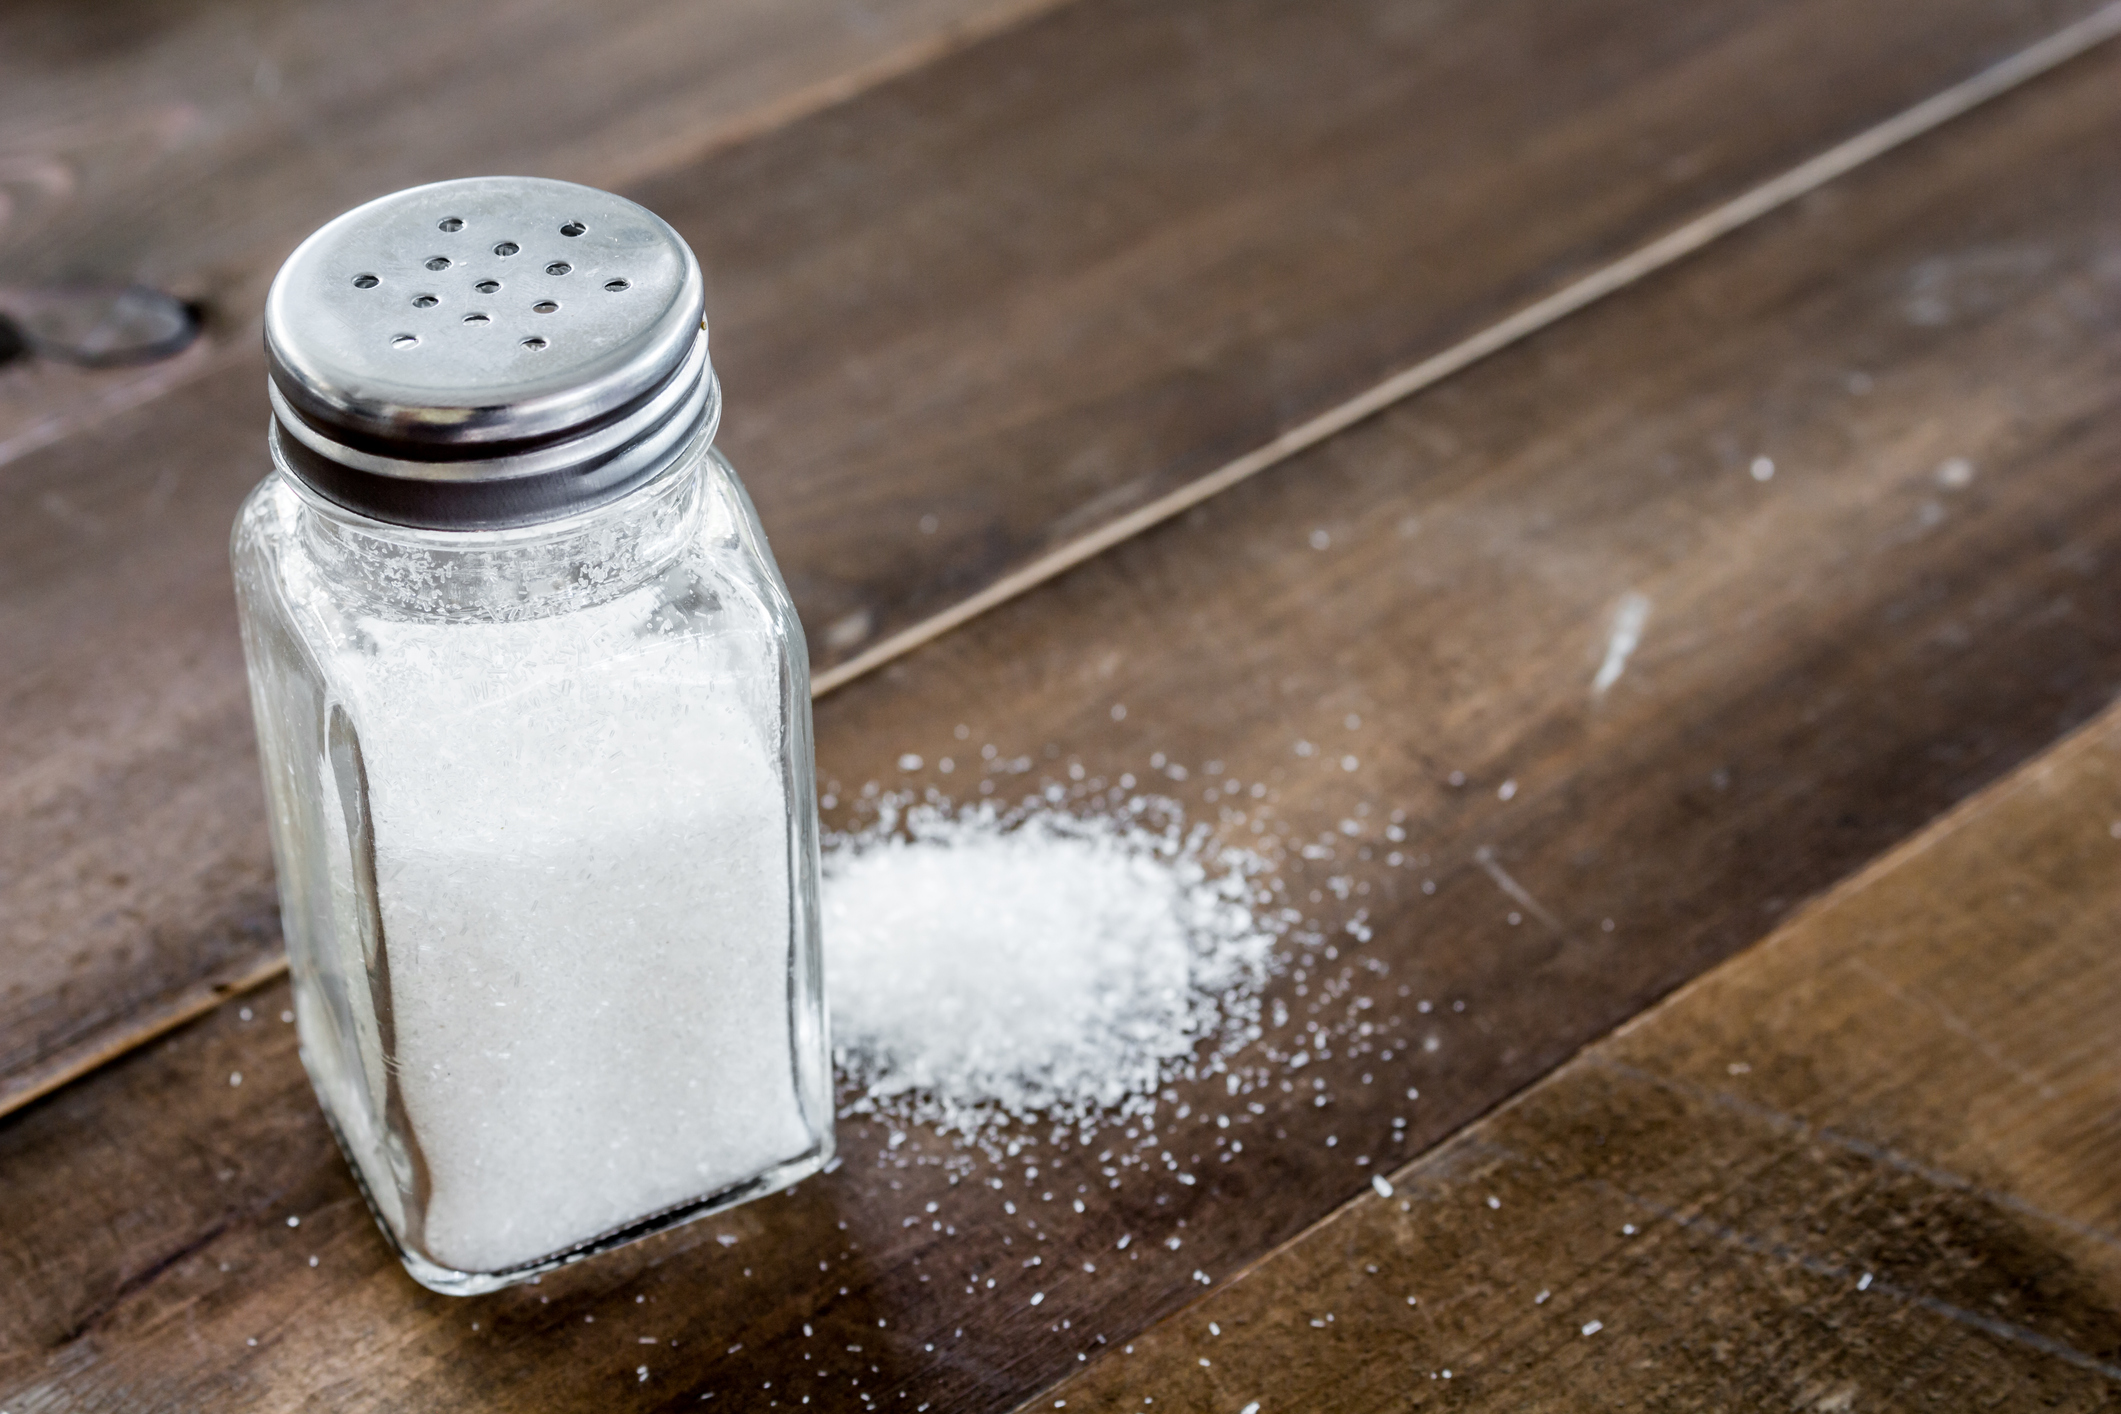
x,y
986,967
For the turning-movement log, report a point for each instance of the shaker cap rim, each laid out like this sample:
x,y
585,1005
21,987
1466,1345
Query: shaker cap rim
x,y
475,329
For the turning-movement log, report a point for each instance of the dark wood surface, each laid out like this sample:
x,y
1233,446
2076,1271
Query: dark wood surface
x,y
1868,1164
1920,597
192,145
1052,277
986,306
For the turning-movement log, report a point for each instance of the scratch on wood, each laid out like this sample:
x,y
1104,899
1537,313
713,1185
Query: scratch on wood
x,y
1835,1271
1485,858
1916,998
1804,1131
1629,617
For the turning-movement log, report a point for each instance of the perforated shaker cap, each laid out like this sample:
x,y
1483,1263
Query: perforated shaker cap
x,y
485,353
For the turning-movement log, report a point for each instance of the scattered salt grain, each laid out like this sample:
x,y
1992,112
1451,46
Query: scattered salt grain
x,y
1382,1184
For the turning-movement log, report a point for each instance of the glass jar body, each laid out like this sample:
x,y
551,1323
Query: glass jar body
x,y
542,809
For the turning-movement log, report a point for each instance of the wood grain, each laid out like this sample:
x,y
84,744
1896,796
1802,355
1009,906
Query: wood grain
x,y
1064,273
191,146
979,309
179,146
1921,595
1678,244
1867,1164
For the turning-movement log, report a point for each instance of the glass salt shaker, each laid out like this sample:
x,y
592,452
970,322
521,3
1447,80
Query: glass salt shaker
x,y
534,712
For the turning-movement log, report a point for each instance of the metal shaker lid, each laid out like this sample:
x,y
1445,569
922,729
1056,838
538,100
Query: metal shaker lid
x,y
488,352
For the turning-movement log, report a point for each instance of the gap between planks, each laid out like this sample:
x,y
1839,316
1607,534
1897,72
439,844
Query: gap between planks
x,y
1669,249
1808,176
1892,860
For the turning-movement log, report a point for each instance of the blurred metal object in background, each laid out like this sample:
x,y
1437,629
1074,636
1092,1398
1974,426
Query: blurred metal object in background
x,y
94,326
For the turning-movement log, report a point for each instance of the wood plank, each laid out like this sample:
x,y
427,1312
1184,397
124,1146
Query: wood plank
x,y
1067,272
191,147
1867,1164
1831,657
1020,292
181,149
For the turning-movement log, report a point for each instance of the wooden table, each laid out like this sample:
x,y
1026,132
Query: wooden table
x,y
1657,461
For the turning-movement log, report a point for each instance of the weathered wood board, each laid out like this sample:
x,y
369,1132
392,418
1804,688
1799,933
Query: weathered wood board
x,y
1849,478
1870,1163
191,146
991,304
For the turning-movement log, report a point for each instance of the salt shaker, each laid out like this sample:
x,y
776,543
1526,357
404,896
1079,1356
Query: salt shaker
x,y
533,707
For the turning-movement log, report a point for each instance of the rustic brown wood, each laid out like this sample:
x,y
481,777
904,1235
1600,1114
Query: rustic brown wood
x,y
1066,272
1869,1163
1021,291
192,146
1919,597
181,148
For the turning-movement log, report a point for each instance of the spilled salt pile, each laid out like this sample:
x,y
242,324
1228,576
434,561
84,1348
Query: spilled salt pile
x,y
986,967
